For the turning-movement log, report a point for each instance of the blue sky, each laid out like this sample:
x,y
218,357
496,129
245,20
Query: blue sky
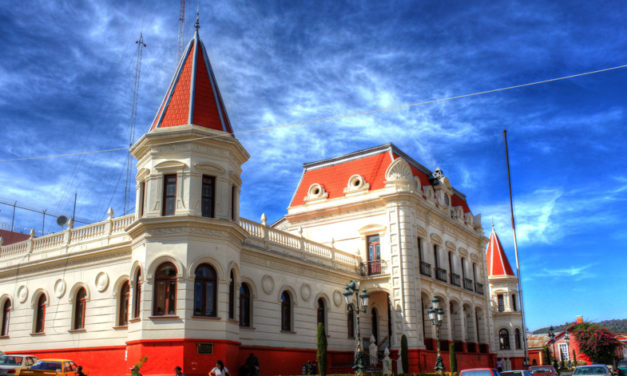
x,y
66,79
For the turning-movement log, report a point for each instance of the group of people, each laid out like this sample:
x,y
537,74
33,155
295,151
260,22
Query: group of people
x,y
250,368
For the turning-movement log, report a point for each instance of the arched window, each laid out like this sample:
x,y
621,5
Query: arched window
x,y
40,314
164,300
137,294
232,297
321,312
286,312
205,288
244,305
375,324
504,339
79,309
350,322
6,311
124,299
517,339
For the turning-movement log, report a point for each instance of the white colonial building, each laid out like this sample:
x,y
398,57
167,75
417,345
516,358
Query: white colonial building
x,y
186,281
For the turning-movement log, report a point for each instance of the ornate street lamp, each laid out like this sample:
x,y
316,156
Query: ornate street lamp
x,y
358,304
436,314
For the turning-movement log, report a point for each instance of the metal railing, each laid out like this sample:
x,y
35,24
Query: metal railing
x,y
425,268
440,274
455,279
479,288
468,284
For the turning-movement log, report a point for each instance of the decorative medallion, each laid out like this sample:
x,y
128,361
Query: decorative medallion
x,y
337,298
267,284
102,281
22,293
305,292
59,288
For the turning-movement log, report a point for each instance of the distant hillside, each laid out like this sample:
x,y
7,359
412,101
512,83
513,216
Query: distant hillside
x,y
615,326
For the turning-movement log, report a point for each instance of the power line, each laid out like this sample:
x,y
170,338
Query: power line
x,y
354,114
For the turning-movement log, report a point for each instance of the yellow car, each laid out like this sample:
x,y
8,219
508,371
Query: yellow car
x,y
50,367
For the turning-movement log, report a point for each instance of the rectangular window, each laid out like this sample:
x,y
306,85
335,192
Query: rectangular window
x,y
420,256
514,307
142,190
450,262
169,194
233,201
208,195
501,303
463,268
374,254
436,262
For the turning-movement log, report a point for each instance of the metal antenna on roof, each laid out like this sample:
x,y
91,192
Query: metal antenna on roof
x,y
181,26
197,24
138,65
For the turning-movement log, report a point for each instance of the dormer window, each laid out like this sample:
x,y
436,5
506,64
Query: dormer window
x,y
169,194
208,196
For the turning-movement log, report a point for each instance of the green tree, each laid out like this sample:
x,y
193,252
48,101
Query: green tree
x,y
546,352
321,355
452,357
404,354
598,343
140,363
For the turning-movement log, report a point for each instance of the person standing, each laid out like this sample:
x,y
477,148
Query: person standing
x,y
219,370
252,365
179,371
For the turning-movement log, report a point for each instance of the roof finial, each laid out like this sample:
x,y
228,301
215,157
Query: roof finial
x,y
197,24
492,218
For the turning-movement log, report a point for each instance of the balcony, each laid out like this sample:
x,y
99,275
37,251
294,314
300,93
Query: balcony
x,y
479,288
372,267
455,280
468,284
440,274
425,268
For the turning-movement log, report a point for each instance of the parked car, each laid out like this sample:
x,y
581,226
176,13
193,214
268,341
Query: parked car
x,y
621,368
593,370
516,372
479,372
543,371
50,367
10,363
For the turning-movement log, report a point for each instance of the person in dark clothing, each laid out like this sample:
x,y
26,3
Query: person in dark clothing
x,y
80,371
179,371
252,365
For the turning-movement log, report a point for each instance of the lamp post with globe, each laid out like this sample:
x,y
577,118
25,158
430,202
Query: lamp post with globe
x,y
358,303
436,314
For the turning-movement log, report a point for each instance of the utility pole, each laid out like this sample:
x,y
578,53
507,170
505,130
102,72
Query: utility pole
x,y
520,293
138,65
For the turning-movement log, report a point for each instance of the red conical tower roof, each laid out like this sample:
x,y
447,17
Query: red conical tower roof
x,y
497,261
193,96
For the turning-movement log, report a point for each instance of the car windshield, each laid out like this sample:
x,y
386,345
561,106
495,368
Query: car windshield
x,y
541,369
622,363
478,372
590,371
47,366
510,373
10,360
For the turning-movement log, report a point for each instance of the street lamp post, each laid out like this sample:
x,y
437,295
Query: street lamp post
x,y
435,315
359,304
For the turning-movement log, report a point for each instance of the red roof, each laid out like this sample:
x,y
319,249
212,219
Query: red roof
x,y
370,164
193,96
497,261
10,237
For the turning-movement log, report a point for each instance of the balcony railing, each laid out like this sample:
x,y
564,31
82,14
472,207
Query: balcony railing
x,y
374,267
425,268
468,284
455,280
479,288
440,274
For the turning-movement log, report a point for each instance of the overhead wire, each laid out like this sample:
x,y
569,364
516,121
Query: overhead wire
x,y
344,116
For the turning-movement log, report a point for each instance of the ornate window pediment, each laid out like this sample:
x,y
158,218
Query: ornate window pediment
x,y
316,192
170,166
356,183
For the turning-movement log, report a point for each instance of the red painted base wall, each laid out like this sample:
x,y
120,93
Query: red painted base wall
x,y
164,355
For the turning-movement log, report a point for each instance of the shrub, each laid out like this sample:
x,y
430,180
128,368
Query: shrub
x,y
598,343
452,357
404,354
140,363
321,355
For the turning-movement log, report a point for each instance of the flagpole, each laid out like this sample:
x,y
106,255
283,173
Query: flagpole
x,y
520,293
